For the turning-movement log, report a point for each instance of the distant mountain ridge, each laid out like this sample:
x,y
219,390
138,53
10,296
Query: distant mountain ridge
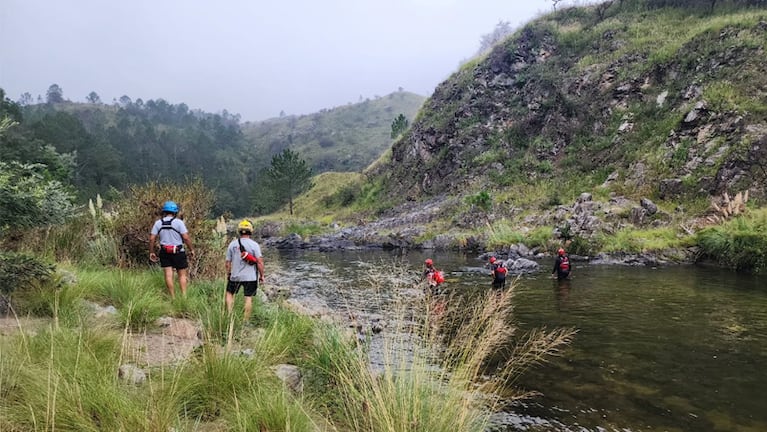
x,y
346,138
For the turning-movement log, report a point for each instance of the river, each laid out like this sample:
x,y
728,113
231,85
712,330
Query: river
x,y
681,348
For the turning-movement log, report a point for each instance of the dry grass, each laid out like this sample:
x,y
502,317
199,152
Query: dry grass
x,y
446,365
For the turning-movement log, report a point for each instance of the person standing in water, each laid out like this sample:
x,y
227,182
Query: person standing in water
x,y
562,267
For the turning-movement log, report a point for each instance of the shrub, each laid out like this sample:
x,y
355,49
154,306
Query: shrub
x,y
739,243
140,209
21,272
18,270
29,200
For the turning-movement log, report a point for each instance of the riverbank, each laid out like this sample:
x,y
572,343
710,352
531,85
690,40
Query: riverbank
x,y
615,231
95,363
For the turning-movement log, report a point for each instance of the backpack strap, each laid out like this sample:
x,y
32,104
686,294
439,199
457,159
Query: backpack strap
x,y
242,248
168,224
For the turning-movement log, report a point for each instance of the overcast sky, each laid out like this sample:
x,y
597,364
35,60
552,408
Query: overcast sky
x,y
254,58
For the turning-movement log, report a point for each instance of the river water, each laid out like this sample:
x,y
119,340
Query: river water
x,y
680,348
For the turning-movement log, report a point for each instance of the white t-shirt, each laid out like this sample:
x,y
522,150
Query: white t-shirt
x,y
242,271
170,236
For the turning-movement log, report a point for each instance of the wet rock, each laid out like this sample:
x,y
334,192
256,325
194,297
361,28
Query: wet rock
x,y
519,249
523,265
293,241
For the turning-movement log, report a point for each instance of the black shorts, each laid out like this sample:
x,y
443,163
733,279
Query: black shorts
x,y
250,287
499,283
177,260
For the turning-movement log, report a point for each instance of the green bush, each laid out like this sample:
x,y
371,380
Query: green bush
x,y
18,270
140,208
740,243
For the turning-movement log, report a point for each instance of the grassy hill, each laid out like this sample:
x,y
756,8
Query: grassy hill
x,y
618,123
665,102
346,138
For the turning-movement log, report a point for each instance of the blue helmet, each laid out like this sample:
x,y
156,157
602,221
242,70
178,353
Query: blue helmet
x,y
170,207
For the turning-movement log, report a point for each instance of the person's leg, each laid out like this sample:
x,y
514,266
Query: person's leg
x,y
229,301
250,289
168,273
248,308
183,279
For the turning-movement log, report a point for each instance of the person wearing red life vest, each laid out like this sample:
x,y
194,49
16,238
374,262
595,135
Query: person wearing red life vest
x,y
431,274
562,266
498,271
244,267
172,235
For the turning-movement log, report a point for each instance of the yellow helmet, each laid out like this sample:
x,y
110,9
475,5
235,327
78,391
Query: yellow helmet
x,y
245,227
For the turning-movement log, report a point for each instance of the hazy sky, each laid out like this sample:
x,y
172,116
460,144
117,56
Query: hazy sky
x,y
254,58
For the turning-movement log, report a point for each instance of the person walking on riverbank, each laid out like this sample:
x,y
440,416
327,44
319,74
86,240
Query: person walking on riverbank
x,y
244,268
173,235
498,272
562,267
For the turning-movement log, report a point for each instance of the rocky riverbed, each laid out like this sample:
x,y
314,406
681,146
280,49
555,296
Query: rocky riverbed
x,y
408,226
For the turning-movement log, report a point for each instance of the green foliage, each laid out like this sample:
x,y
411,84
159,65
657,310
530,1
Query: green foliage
x,y
28,200
52,298
288,176
582,246
740,243
481,200
22,271
140,208
399,125
302,228
633,240
117,146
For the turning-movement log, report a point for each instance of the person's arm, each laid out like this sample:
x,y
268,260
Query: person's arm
x,y
228,265
260,266
556,265
188,243
152,255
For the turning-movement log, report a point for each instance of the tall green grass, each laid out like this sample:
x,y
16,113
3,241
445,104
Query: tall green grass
x,y
635,240
434,375
740,243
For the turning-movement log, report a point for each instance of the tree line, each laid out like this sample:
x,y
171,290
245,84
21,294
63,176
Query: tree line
x,y
103,149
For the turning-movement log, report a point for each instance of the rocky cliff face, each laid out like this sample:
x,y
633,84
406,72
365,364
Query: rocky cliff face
x,y
629,100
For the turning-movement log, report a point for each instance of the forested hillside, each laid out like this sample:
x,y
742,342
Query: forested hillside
x,y
346,138
112,146
103,148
